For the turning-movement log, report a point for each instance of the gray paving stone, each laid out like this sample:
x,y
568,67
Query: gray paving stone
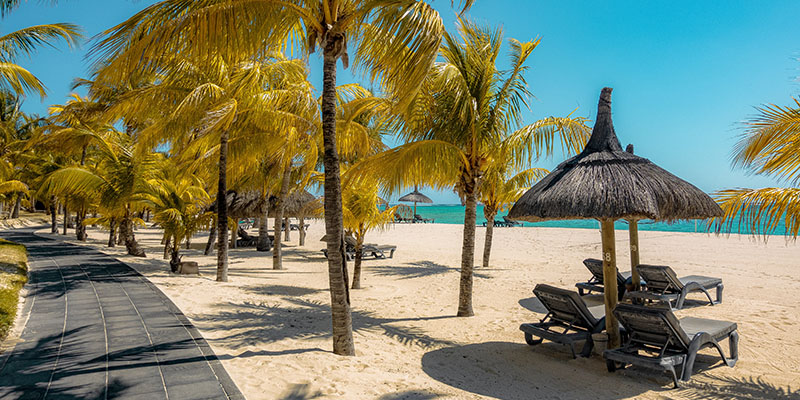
x,y
79,282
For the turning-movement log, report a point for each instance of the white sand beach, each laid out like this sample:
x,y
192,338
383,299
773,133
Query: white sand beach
x,y
271,328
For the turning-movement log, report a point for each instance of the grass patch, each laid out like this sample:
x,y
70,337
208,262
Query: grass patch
x,y
13,274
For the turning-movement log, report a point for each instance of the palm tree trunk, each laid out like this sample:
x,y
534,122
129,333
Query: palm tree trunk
x,y
467,253
302,229
112,232
66,219
489,213
235,234
167,246
222,210
263,243
80,229
131,245
277,256
53,215
175,255
337,265
17,203
357,262
286,229
212,234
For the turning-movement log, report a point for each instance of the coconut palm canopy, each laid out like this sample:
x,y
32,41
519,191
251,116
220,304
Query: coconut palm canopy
x,y
416,197
605,182
248,203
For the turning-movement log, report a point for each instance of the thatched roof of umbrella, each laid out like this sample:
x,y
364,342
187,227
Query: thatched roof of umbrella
x,y
294,203
604,181
416,197
246,204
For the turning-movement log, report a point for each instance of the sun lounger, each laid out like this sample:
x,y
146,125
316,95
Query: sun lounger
x,y
418,218
379,251
568,319
296,227
367,249
664,285
595,283
511,222
669,341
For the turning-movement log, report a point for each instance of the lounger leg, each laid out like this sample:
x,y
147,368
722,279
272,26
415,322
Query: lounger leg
x,y
572,349
391,253
719,293
733,344
700,341
587,348
531,341
680,300
674,376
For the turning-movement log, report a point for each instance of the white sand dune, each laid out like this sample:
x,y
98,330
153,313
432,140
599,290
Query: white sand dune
x,y
271,328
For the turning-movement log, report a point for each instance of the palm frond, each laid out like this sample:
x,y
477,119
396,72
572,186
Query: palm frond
x,y
760,210
26,40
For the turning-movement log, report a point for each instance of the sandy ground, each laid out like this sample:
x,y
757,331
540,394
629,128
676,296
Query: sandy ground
x,y
271,329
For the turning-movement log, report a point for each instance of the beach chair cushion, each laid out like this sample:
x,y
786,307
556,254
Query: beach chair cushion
x,y
704,281
676,342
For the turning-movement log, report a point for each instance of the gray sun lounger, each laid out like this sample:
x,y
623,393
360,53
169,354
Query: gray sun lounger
x,y
367,249
664,285
595,283
669,341
568,319
379,251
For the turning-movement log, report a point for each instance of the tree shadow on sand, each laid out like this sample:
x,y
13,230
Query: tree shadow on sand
x,y
519,371
736,388
254,324
419,269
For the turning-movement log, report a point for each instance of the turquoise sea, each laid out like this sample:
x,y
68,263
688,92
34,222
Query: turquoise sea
x,y
454,214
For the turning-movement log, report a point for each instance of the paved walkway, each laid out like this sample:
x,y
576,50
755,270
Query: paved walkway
x,y
96,329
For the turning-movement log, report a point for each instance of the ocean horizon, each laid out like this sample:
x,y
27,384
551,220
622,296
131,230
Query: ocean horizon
x,y
454,214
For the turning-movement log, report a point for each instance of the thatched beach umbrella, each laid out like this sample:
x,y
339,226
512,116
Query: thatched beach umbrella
x,y
416,197
606,183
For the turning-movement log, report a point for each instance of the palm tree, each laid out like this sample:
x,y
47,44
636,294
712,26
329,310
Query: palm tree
x,y
73,129
394,41
202,103
362,214
466,110
499,191
769,146
178,203
23,43
15,131
115,180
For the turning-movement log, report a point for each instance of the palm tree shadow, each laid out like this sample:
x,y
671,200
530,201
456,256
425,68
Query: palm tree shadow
x,y
737,388
505,370
300,391
410,395
418,269
252,324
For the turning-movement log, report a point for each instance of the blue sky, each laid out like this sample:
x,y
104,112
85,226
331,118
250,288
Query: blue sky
x,y
685,73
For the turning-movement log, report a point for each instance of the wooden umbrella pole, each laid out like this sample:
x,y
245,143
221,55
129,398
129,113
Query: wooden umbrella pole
x,y
610,281
633,234
415,209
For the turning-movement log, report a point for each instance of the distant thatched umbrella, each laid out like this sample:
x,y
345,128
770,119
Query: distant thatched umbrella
x,y
293,204
606,183
242,204
416,197
247,204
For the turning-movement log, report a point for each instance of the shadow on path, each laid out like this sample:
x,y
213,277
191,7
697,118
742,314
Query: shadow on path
x,y
254,324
